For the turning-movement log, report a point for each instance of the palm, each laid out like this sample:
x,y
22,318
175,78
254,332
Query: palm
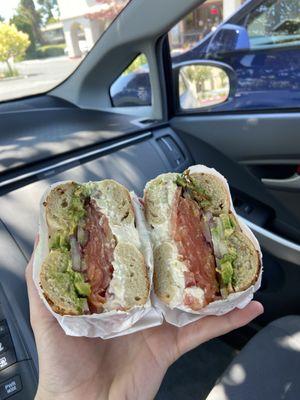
x,y
126,367
81,362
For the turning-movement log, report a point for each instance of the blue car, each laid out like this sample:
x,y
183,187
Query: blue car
x,y
246,43
134,89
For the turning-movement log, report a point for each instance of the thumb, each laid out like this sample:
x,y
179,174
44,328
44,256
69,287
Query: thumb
x,y
210,327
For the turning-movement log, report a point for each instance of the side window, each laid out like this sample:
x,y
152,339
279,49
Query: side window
x,y
132,88
249,61
274,24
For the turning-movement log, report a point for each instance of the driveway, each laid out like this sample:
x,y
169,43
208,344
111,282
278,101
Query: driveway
x,y
37,76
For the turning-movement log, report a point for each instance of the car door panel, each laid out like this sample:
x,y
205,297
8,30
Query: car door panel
x,y
248,140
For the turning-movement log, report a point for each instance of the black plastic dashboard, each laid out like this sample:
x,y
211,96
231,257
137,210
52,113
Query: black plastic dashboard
x,y
26,139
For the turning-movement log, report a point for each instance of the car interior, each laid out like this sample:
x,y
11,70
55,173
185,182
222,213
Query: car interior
x,y
74,132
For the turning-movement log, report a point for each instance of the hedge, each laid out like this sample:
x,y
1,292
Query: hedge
x,y
51,50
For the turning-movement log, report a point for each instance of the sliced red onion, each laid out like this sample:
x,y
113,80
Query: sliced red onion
x,y
206,232
75,254
82,236
208,217
86,309
83,266
220,248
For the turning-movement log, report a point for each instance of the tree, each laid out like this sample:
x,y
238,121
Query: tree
x,y
49,10
1,19
22,24
28,20
13,43
27,9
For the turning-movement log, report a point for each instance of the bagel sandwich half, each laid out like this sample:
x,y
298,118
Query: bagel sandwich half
x,y
201,252
95,263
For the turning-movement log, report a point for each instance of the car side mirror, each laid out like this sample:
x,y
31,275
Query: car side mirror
x,y
228,38
202,84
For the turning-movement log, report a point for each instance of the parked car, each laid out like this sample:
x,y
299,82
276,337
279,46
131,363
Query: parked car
x,y
134,89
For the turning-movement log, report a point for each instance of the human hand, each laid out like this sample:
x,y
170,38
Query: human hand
x,y
129,367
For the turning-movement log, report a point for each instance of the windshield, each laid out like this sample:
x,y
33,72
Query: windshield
x,y
43,41
274,23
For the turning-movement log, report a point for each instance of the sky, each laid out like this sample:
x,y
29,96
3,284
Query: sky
x,y
7,8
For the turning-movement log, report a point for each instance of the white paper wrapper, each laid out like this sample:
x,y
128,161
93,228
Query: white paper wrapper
x,y
109,324
181,316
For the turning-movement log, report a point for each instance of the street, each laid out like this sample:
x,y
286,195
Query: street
x,y
36,76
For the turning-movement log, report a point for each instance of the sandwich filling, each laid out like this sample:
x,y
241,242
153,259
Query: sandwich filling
x,y
195,251
85,238
98,255
209,236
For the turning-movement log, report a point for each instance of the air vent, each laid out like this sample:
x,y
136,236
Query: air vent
x,y
172,151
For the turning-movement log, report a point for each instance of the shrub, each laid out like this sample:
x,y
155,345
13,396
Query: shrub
x,y
13,44
51,50
11,73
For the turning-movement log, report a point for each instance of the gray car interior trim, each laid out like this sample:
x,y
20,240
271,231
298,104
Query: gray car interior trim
x,y
281,248
291,184
282,161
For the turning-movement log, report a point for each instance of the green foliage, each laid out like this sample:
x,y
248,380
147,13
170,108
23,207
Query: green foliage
x,y
48,10
197,73
28,20
51,50
13,44
23,24
52,20
136,64
9,73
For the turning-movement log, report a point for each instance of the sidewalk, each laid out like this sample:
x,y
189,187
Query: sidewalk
x,y
37,76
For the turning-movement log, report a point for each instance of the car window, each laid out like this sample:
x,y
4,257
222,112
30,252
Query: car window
x,y
196,26
274,23
132,88
258,46
42,42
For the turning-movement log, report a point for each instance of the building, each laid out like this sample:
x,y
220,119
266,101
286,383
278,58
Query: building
x,y
202,21
85,20
53,33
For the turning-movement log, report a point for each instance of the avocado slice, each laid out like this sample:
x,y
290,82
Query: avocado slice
x,y
83,288
227,224
62,286
194,189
